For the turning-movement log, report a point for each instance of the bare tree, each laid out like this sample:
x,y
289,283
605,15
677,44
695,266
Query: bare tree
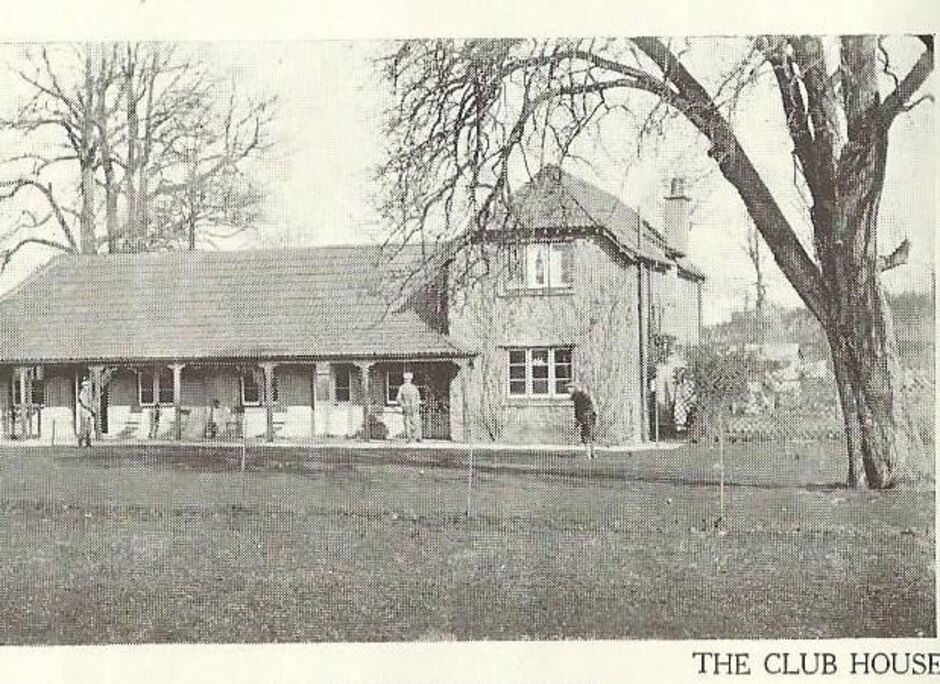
x,y
470,113
149,127
204,180
755,254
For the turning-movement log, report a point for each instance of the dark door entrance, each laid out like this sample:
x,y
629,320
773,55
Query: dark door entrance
x,y
435,417
103,419
434,381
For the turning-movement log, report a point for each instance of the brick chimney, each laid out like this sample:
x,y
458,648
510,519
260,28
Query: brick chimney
x,y
676,218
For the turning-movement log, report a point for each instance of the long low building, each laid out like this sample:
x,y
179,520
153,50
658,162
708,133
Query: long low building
x,y
308,344
274,343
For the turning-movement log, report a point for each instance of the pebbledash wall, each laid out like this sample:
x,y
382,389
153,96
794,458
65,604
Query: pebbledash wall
x,y
596,317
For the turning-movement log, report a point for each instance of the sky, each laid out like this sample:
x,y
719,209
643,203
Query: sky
x,y
328,135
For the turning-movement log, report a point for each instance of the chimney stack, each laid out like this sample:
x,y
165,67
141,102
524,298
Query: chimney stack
x,y
676,218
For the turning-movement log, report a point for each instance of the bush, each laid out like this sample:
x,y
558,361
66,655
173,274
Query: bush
x,y
720,378
375,428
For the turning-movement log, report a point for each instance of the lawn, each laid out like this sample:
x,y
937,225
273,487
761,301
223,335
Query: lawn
x,y
134,545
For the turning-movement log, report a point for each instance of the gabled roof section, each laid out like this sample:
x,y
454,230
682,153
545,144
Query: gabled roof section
x,y
557,200
689,269
327,302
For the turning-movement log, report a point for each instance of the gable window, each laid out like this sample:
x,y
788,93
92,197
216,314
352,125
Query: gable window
x,y
252,385
342,384
540,266
539,371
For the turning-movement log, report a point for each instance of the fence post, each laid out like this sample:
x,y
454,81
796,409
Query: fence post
x,y
722,426
467,435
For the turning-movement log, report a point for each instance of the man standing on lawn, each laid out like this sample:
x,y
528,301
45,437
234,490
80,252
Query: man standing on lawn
x,y
584,415
409,398
86,413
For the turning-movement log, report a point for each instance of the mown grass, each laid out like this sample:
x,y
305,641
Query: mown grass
x,y
151,545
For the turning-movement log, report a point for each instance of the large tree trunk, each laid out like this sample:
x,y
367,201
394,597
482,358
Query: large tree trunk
x,y
866,368
858,325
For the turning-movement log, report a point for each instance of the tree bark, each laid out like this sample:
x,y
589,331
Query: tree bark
x,y
865,369
107,163
130,173
848,402
858,323
86,161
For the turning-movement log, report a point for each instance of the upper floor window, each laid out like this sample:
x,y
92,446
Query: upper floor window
x,y
540,266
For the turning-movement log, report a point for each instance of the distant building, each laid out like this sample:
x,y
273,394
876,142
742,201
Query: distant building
x,y
306,344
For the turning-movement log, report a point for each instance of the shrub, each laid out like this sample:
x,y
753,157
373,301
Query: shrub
x,y
720,378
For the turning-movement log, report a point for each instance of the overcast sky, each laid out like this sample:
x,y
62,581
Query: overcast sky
x,y
329,139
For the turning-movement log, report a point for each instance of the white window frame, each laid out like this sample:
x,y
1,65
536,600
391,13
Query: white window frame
x,y
391,398
36,378
241,387
552,254
337,371
552,378
158,388
153,388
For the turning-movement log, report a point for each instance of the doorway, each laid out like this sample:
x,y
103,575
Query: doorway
x,y
103,419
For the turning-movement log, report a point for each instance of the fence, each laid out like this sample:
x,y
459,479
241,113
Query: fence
x,y
814,414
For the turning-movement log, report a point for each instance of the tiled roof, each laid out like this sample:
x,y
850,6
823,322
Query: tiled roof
x,y
557,200
688,267
310,303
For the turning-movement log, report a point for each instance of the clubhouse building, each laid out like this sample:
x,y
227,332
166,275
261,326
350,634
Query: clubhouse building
x,y
306,345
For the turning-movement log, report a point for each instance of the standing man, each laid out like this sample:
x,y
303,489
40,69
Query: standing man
x,y
86,413
409,398
684,405
154,419
584,415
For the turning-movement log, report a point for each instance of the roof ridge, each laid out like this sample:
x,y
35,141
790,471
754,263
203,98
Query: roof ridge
x,y
32,276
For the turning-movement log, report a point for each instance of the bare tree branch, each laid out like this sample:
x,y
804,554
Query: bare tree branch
x,y
897,258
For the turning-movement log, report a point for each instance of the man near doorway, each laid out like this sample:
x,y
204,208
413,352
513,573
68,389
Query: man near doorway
x,y
86,413
409,398
154,419
584,415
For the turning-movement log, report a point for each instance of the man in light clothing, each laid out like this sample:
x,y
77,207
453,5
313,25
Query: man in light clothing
x,y
409,398
86,413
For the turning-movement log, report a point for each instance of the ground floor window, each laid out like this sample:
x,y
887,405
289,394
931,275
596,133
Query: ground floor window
x,y
539,371
252,386
155,387
343,383
146,387
165,385
395,378
34,381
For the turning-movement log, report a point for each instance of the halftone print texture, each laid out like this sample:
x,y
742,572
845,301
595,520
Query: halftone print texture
x,y
672,330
